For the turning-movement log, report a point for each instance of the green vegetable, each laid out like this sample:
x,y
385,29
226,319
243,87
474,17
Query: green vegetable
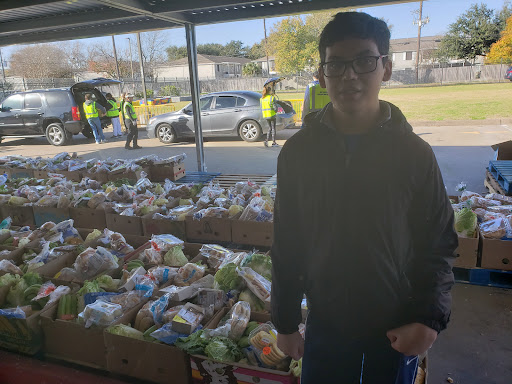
x,y
107,283
223,349
9,280
32,278
256,304
227,278
243,342
16,295
193,344
465,222
296,367
196,189
175,257
186,202
265,191
259,263
90,287
159,189
149,331
125,330
251,327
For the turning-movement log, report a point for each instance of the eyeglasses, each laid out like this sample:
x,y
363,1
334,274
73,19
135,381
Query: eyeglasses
x,y
360,65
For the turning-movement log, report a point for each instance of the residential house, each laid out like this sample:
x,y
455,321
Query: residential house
x,y
262,63
208,67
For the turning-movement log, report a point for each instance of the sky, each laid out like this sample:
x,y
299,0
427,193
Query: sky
x,y
441,14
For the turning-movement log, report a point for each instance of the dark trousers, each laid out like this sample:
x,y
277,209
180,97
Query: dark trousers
x,y
133,132
271,129
330,357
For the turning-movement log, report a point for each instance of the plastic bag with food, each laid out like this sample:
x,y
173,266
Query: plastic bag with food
x,y
480,202
163,243
162,275
238,318
170,313
506,200
212,212
92,262
466,195
100,313
96,200
63,201
7,266
145,285
233,258
503,209
494,229
179,213
189,273
215,254
126,300
116,243
256,283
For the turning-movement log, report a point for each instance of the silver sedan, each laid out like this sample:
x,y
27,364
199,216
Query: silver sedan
x,y
223,114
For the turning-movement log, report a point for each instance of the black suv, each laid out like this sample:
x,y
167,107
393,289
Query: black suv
x,y
55,113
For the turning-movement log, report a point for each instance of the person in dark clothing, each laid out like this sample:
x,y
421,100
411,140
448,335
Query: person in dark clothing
x,y
365,230
130,120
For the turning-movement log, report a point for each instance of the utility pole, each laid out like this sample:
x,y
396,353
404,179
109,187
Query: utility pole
x,y
142,70
266,46
3,69
131,63
117,64
421,22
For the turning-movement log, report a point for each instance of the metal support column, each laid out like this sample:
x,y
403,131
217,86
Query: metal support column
x,y
190,32
142,71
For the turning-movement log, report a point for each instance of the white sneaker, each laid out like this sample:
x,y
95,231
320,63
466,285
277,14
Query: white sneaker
x,y
98,142
104,140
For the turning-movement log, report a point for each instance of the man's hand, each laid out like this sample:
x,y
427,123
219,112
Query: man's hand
x,y
412,339
291,345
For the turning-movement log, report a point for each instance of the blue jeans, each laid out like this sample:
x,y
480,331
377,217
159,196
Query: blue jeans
x,y
95,124
330,357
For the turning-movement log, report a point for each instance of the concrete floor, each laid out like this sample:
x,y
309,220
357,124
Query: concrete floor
x,y
477,346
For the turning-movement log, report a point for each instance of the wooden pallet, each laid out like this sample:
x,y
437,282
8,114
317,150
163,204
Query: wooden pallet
x,y
226,181
501,170
492,185
485,277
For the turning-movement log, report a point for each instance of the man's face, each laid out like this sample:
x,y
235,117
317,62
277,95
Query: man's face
x,y
352,92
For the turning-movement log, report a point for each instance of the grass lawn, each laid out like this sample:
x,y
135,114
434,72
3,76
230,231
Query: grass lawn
x,y
447,102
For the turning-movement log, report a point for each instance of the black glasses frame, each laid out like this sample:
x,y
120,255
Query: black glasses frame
x,y
351,62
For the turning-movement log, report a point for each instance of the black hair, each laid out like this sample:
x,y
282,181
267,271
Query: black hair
x,y
108,95
358,25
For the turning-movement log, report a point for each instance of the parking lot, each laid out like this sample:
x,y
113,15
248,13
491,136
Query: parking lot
x,y
462,151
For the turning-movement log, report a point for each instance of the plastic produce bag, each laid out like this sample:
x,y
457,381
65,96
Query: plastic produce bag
x,y
216,212
256,283
189,273
238,319
158,308
215,254
494,229
91,262
506,200
100,313
480,202
162,275
7,266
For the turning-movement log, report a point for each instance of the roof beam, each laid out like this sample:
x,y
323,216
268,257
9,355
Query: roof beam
x,y
84,32
65,20
142,9
14,4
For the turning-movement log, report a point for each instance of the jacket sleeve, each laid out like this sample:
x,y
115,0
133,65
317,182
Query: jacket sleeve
x,y
287,260
434,240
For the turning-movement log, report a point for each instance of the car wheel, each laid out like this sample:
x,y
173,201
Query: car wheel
x,y
250,131
87,132
165,133
56,135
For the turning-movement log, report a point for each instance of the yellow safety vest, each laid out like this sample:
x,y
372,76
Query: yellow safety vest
x,y
318,97
128,111
113,112
90,110
267,106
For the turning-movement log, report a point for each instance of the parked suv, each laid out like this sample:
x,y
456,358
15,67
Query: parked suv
x,y
55,113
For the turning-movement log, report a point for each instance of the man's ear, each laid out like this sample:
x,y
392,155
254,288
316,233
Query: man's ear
x,y
321,78
388,70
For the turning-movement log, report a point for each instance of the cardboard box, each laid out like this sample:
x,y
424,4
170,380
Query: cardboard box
x,y
161,363
173,172
23,335
20,215
252,233
70,341
503,151
204,370
45,214
188,318
208,229
88,218
38,174
72,175
467,252
158,226
101,177
131,225
496,254
50,269
19,173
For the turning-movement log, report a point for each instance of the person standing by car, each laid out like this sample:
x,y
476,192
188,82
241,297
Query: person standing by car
x,y
375,261
113,113
315,97
91,113
268,108
130,120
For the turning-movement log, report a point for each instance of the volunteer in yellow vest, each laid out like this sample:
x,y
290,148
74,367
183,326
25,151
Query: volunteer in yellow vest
x,y
268,108
315,97
113,113
121,102
130,120
93,118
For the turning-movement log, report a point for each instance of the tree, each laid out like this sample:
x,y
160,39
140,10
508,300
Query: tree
x,y
501,51
294,41
503,15
213,49
471,35
101,59
235,48
152,46
175,52
251,69
256,51
40,61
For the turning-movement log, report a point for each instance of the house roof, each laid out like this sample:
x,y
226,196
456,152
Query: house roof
x,y
264,58
410,44
209,59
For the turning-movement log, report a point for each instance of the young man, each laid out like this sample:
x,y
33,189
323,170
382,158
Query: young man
x,y
130,120
93,118
113,113
363,224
